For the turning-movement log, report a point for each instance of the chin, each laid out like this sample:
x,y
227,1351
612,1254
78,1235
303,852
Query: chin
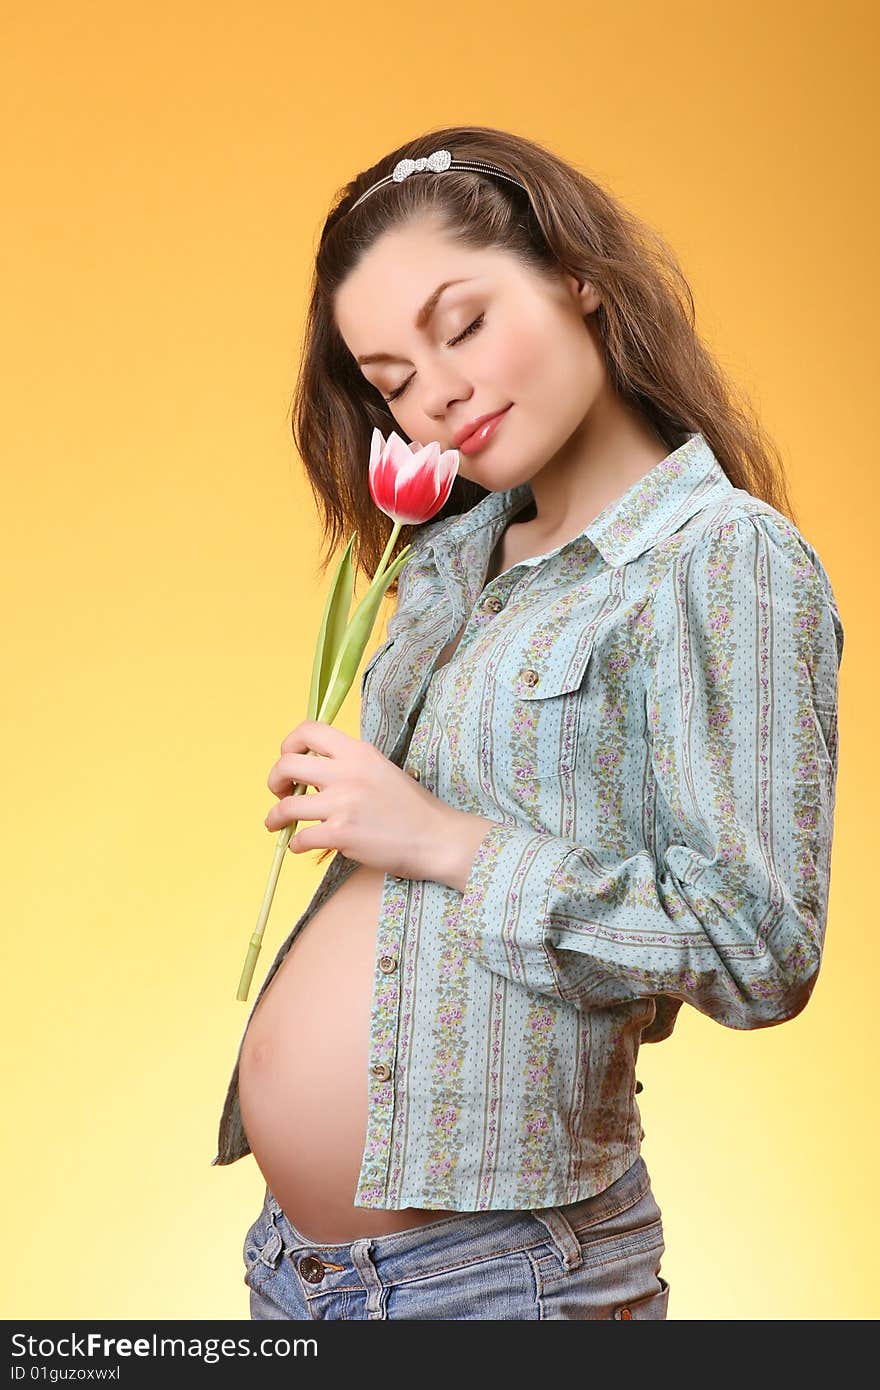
x,y
501,479
492,482
495,474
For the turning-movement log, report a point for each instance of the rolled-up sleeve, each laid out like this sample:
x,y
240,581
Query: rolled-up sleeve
x,y
725,907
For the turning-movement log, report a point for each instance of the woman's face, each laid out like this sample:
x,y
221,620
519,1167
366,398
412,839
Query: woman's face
x,y
504,336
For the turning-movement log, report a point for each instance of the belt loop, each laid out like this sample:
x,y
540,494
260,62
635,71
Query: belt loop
x,y
562,1235
273,1245
363,1263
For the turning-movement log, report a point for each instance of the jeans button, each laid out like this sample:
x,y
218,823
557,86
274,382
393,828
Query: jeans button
x,y
311,1269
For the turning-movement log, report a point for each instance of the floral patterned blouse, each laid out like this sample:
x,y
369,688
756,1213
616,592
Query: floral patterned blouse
x,y
648,715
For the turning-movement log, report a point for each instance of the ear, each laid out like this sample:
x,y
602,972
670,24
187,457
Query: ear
x,y
584,292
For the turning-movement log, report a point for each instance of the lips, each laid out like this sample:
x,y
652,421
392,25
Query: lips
x,y
473,425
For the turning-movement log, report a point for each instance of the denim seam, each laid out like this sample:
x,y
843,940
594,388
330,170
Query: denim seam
x,y
634,1242
429,1273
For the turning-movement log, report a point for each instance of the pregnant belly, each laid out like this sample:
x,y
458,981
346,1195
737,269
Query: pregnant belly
x,y
303,1071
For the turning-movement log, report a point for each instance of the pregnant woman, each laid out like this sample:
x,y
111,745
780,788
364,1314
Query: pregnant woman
x,y
596,772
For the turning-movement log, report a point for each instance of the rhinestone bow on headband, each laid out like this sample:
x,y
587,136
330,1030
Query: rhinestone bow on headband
x,y
437,162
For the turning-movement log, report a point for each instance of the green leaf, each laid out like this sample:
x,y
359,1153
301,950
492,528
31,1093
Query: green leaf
x,y
333,626
352,648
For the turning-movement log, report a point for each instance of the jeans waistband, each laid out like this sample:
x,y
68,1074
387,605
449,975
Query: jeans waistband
x,y
425,1247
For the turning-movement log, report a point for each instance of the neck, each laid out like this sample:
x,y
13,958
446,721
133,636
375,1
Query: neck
x,y
612,449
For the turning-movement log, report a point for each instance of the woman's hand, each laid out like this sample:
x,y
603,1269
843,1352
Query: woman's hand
x,y
366,806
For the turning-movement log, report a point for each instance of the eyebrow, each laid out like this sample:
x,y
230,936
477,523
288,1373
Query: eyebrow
x,y
421,320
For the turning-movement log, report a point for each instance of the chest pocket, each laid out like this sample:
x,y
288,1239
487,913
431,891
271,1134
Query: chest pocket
x,y
543,664
537,698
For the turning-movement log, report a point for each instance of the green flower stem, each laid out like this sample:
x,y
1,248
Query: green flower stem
x,y
395,532
351,649
256,941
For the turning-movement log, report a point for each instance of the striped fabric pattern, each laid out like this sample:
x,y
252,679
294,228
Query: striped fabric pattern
x,y
648,716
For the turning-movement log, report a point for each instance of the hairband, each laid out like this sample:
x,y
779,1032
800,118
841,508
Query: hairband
x,y
436,163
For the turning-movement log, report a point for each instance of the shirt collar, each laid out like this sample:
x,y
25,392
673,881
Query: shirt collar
x,y
649,511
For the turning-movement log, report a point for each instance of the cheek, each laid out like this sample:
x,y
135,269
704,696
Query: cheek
x,y
518,364
543,354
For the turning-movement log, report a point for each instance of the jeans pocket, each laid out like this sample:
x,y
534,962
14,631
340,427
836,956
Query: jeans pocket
x,y
620,1279
599,1249
601,1259
650,1305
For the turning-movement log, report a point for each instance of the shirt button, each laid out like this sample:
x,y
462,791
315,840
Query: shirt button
x,y
493,604
388,963
311,1269
530,677
381,1071
414,773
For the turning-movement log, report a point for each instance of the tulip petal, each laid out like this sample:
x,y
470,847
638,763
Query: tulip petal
x,y
410,482
377,444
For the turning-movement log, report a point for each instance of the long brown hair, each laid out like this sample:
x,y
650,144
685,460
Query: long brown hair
x,y
565,222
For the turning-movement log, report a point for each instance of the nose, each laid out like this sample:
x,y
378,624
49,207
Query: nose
x,y
441,391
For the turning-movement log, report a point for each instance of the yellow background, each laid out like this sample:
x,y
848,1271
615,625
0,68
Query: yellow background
x,y
166,172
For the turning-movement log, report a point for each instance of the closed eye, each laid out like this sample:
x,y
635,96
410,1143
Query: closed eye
x,y
471,328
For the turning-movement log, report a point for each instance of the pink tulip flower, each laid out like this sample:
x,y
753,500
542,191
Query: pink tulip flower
x,y
410,482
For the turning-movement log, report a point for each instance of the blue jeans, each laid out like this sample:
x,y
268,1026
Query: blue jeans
x,y
598,1258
